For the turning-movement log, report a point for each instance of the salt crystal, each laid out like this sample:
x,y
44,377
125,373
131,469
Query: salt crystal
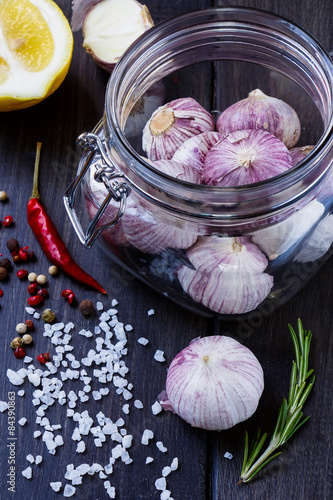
x,y
147,434
165,495
76,436
160,483
30,310
56,486
36,315
34,379
114,302
166,471
22,421
149,460
77,480
58,326
38,459
228,455
156,408
99,306
161,447
59,441
127,441
14,377
27,473
27,359
151,312
138,404
159,356
21,392
3,406
174,464
143,341
128,328
69,490
102,475
80,447
37,434
30,458
104,316
95,468
83,469
96,395
111,492
125,409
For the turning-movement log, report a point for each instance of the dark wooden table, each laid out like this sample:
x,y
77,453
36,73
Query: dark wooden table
x,y
304,469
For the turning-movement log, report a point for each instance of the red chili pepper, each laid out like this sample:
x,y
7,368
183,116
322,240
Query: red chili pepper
x,y
49,238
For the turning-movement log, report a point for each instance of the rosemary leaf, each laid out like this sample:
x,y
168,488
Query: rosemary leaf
x,y
290,417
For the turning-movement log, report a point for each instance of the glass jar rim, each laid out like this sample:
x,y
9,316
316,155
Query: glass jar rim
x,y
283,190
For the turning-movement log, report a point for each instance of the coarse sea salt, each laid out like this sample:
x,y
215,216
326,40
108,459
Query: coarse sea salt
x,y
151,312
69,490
56,486
228,455
22,421
146,436
159,356
14,377
160,446
3,406
156,408
160,483
27,473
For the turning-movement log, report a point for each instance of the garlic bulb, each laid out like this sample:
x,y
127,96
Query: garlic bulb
x,y
194,150
277,239
228,275
170,125
109,27
214,383
319,242
245,157
148,228
298,154
259,111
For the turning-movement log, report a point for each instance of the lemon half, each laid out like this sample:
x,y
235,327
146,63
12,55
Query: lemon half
x,y
36,45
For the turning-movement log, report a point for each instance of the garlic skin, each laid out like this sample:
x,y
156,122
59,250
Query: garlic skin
x,y
279,238
228,275
194,150
214,383
319,242
170,125
245,157
109,27
259,111
147,228
298,154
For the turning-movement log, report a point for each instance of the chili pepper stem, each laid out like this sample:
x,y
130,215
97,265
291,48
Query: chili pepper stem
x,y
35,192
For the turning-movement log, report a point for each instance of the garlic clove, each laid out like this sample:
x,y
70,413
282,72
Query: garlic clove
x,y
214,383
194,150
319,242
228,276
298,154
245,157
279,238
170,125
259,111
109,27
177,170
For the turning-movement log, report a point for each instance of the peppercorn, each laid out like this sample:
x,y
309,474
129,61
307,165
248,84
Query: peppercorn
x,y
23,253
41,279
3,273
30,325
21,328
43,292
27,339
3,196
86,307
22,273
13,245
16,342
32,288
19,352
53,270
35,300
6,264
15,257
43,357
66,292
1,293
32,277
48,316
7,221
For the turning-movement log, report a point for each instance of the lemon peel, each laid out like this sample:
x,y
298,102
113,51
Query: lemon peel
x,y
36,45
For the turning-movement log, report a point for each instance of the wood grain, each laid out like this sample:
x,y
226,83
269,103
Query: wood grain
x,y
304,469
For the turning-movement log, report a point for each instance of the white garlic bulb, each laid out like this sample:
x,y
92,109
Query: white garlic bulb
x,y
228,275
194,150
298,154
245,157
259,111
319,242
170,125
278,238
214,383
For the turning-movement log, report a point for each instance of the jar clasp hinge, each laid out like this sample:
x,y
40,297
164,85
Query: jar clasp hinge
x,y
106,171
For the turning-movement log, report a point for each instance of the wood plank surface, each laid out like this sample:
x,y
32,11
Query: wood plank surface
x,y
304,469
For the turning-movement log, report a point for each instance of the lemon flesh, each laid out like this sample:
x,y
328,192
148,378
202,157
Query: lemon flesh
x,y
36,46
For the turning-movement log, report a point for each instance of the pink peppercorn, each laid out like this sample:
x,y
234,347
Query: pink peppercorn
x,y
7,221
35,300
22,273
19,352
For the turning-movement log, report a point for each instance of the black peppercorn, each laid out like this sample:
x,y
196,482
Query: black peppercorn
x,y
3,274
6,264
13,245
86,307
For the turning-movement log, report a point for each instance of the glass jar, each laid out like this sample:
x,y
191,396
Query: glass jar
x,y
219,251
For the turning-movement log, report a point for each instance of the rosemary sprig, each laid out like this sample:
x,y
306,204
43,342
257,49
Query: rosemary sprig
x,y
290,416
